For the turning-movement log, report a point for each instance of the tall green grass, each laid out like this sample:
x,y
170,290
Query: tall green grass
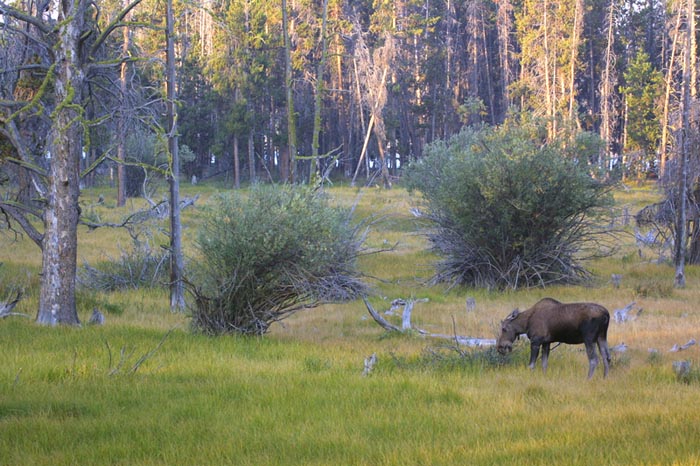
x,y
144,390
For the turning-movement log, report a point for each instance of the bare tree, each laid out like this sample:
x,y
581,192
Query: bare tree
x,y
668,92
607,86
121,122
683,154
65,38
373,69
177,290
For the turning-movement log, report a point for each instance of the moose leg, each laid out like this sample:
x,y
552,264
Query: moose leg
x,y
592,358
534,352
545,356
605,354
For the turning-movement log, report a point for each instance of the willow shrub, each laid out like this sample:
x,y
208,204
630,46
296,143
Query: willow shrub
x,y
506,210
269,252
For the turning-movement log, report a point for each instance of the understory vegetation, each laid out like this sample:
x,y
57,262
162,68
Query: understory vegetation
x,y
505,210
269,253
144,389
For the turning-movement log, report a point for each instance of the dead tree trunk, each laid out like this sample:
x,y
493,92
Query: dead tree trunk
x,y
60,241
177,289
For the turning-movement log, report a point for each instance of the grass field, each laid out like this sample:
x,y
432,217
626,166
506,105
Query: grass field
x,y
144,390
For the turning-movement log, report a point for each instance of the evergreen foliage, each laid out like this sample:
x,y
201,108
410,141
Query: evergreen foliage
x,y
508,210
642,92
269,253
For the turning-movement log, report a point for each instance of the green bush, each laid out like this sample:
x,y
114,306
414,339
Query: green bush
x,y
268,253
508,210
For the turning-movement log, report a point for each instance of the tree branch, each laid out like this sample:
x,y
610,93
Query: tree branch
x,y
17,212
25,18
116,23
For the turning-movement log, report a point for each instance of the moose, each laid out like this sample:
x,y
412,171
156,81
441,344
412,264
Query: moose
x,y
550,321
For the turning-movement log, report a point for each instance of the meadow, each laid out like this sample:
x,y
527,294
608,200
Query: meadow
x,y
144,390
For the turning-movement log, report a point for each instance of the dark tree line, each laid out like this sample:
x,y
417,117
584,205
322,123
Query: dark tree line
x,y
397,75
362,86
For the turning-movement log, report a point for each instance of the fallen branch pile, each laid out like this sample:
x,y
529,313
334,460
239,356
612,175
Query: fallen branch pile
x,y
406,325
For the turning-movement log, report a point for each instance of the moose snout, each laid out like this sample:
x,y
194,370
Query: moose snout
x,y
504,348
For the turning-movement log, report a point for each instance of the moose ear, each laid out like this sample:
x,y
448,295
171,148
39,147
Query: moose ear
x,y
513,314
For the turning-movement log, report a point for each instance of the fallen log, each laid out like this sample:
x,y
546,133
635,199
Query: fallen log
x,y
7,307
472,342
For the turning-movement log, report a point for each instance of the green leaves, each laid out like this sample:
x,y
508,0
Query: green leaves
x,y
507,210
269,252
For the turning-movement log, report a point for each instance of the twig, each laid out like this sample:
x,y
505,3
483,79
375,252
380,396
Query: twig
x,y
146,356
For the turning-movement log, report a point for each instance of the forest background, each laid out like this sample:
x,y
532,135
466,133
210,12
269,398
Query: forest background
x,y
337,84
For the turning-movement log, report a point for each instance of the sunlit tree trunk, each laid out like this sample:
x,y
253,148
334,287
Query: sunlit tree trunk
x,y
668,90
578,21
504,25
607,88
550,101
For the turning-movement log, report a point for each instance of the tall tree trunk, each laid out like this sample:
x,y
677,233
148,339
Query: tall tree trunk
x,y
449,57
550,103
486,56
606,92
681,240
289,88
121,122
361,112
578,21
504,25
315,167
177,292
236,164
665,123
60,241
343,129
692,30
251,158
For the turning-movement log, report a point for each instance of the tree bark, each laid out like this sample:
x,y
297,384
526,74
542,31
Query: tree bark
x,y
667,97
315,167
289,83
60,242
177,290
236,164
681,240
121,124
578,21
606,93
251,158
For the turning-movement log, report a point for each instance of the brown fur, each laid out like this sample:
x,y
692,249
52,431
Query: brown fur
x,y
550,321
